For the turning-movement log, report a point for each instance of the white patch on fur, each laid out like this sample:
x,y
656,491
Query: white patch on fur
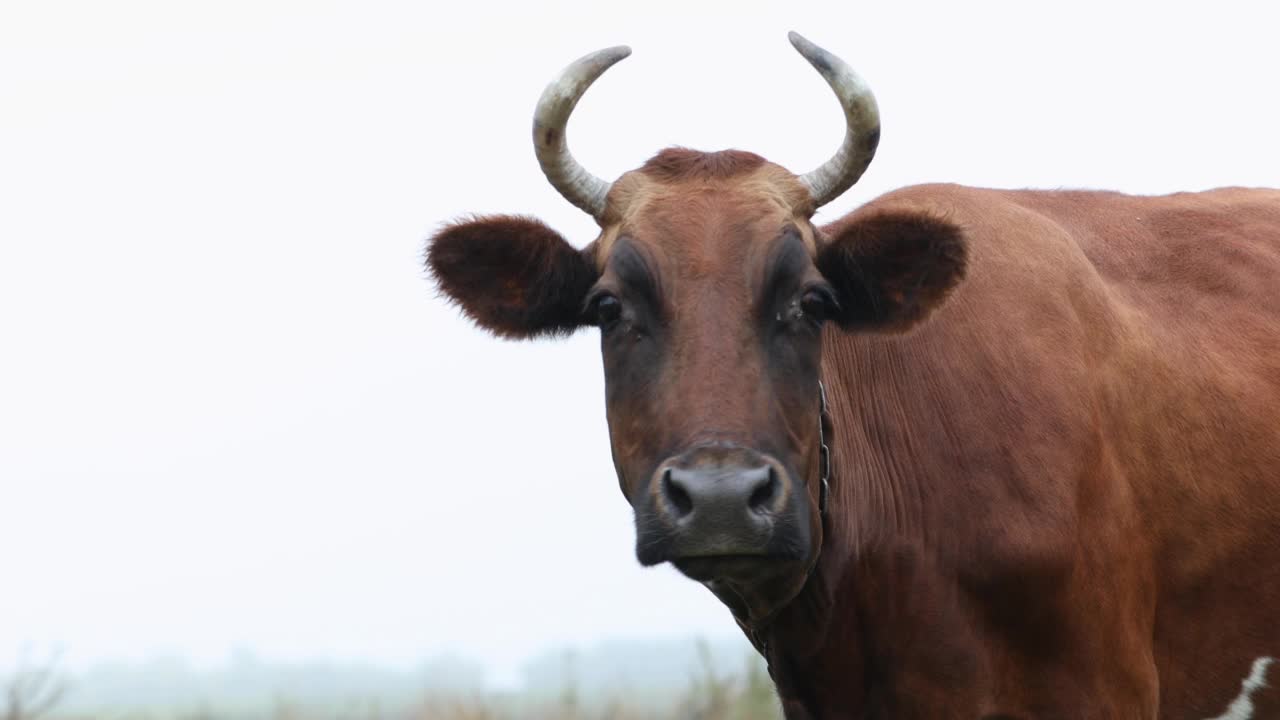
x,y
1242,707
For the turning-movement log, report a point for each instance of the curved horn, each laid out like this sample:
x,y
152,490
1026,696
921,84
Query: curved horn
x,y
573,181
862,125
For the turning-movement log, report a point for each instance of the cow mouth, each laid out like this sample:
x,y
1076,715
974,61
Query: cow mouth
x,y
705,568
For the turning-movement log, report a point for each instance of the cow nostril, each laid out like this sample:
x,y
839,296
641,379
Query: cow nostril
x,y
680,499
764,491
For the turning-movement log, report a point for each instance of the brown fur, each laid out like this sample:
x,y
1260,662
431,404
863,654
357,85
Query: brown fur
x,y
512,275
1056,497
680,164
894,268
1054,494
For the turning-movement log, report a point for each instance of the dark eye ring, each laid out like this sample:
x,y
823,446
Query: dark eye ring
x,y
606,311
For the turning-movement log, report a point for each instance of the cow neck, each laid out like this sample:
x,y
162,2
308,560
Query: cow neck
x,y
757,632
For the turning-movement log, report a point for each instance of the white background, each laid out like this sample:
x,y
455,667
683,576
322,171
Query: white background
x,y
233,413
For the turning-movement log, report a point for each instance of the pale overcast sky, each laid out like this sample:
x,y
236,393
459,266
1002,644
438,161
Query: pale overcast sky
x,y
233,412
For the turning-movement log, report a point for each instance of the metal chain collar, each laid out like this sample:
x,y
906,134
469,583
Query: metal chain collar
x,y
824,452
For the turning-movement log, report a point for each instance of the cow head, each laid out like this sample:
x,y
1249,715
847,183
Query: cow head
x,y
711,287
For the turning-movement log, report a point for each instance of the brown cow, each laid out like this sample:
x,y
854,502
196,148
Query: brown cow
x,y
1053,420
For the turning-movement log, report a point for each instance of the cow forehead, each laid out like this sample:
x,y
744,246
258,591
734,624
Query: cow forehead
x,y
706,226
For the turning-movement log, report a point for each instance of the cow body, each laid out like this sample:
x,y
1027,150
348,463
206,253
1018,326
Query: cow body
x,y
1053,419
1060,497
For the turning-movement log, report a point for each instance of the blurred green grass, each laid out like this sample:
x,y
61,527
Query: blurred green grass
x,y
703,689
710,695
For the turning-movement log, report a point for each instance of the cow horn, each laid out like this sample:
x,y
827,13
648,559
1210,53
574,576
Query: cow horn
x,y
573,181
862,125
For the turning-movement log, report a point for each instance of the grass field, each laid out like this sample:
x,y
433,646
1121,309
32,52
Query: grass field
x,y
704,686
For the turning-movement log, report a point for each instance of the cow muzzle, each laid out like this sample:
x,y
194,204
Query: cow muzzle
x,y
720,510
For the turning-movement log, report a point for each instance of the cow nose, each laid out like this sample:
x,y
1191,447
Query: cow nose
x,y
719,501
723,492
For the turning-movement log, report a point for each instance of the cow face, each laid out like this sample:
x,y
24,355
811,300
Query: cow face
x,y
710,308
710,288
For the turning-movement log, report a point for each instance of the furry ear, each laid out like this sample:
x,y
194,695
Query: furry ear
x,y
513,276
891,269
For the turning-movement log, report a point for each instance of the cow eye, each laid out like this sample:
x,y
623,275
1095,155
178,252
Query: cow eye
x,y
817,304
606,310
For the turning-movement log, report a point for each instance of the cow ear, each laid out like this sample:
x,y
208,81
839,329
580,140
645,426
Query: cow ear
x,y
513,276
891,269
